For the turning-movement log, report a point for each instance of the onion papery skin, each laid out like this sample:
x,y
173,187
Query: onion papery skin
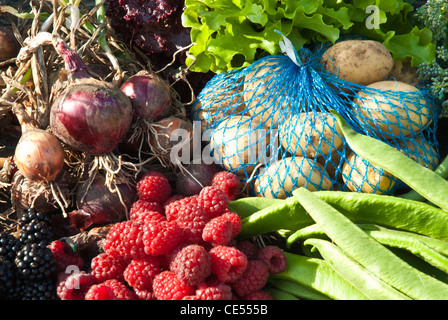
x,y
150,96
91,116
97,205
39,155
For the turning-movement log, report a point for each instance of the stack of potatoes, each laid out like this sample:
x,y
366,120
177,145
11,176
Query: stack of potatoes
x,y
316,153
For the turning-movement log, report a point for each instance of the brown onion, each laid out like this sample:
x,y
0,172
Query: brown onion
x,y
9,46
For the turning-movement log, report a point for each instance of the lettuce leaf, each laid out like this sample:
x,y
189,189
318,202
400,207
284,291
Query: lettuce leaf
x,y
231,34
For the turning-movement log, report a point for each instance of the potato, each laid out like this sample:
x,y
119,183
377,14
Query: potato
x,y
359,61
262,95
279,179
219,103
310,134
392,115
421,151
239,144
403,72
361,176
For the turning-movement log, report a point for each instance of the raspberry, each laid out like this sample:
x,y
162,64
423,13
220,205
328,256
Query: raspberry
x,y
274,258
154,187
259,295
141,206
160,237
100,292
149,215
145,294
227,182
74,286
249,248
140,273
171,199
253,279
218,231
214,200
214,290
235,220
191,219
191,297
228,263
167,286
125,240
64,256
120,290
192,264
105,267
172,209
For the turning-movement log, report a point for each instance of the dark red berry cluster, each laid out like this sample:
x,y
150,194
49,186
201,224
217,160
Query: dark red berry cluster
x,y
175,247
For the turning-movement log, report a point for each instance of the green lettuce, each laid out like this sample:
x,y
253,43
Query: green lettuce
x,y
231,34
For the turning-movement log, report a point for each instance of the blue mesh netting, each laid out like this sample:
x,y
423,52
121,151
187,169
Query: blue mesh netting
x,y
270,124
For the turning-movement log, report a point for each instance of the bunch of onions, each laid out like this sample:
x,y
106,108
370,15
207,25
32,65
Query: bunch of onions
x,y
39,157
90,115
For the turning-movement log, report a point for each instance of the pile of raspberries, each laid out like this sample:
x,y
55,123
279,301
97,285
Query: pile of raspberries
x,y
174,247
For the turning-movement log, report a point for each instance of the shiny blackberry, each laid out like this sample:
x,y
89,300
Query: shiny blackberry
x,y
38,290
33,215
9,246
36,231
8,277
35,262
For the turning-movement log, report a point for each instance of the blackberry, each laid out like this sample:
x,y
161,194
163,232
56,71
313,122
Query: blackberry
x,y
36,231
7,276
31,214
9,245
35,262
38,290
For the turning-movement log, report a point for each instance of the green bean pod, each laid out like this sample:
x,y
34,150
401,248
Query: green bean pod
x,y
419,178
296,289
278,294
315,275
388,211
369,253
249,205
370,285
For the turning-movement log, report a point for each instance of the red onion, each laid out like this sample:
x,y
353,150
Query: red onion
x,y
90,115
150,95
97,205
195,177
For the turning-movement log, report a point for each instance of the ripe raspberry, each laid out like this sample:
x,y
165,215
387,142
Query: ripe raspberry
x,y
167,286
64,256
140,273
105,267
160,237
218,231
141,206
74,286
227,182
214,290
100,292
149,215
145,294
235,220
191,297
171,199
228,263
125,240
172,209
154,187
253,279
120,290
191,218
249,248
214,200
192,264
259,295
274,258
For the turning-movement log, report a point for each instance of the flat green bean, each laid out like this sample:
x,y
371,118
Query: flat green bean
x,y
370,253
388,211
419,178
249,205
299,291
281,295
363,280
316,275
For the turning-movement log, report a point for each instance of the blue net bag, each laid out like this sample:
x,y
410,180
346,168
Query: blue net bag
x,y
270,124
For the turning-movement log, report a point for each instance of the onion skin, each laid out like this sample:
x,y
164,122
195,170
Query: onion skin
x,y
97,205
150,96
39,155
91,116
9,46
204,173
